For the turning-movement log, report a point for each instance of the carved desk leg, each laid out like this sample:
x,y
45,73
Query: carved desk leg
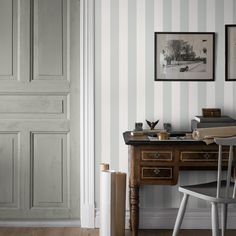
x,y
134,210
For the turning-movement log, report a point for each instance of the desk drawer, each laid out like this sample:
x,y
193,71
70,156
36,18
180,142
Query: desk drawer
x,y
156,173
154,155
202,156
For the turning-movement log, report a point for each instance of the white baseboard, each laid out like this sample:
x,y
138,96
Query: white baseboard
x,y
150,218
40,223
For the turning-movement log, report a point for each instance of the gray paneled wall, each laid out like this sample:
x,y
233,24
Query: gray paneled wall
x,y
124,78
39,112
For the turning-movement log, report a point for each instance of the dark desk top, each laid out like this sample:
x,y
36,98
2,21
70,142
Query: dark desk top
x,y
148,140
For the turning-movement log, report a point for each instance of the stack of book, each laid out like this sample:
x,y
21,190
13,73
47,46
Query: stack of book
x,y
207,122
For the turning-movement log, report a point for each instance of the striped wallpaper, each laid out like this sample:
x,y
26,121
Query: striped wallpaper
x,y
125,91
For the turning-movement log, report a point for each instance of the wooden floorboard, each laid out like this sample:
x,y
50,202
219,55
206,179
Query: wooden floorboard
x,y
95,232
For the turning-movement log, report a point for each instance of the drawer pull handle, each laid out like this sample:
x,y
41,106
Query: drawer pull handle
x,y
157,155
206,155
156,171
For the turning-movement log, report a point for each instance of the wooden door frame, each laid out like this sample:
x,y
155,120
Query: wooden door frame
x,y
87,198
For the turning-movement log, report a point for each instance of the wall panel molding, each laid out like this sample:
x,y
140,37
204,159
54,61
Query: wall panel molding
x,y
35,86
39,109
33,106
49,155
9,10
9,169
49,46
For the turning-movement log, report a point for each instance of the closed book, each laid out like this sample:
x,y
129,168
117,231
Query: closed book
x,y
195,124
214,119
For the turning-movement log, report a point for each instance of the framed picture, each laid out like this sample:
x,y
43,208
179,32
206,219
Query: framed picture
x,y
184,56
230,52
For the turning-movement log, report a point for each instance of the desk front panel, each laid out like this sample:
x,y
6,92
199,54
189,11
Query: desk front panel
x,y
160,164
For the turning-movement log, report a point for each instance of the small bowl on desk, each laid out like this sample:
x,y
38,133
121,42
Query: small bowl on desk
x,y
163,135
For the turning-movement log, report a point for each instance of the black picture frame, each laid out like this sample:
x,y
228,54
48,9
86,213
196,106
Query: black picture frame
x,y
184,56
230,52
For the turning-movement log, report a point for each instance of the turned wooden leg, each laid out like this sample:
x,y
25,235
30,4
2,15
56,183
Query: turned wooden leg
x,y
134,210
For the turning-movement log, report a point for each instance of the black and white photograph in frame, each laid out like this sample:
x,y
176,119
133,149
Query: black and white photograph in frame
x,y
230,52
184,56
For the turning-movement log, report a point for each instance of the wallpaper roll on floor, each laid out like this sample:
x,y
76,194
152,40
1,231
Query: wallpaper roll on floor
x,y
112,203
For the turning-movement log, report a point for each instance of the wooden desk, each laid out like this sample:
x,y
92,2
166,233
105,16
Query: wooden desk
x,y
158,163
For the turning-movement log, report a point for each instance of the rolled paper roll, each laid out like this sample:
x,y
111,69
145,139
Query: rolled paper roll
x,y
103,206
120,204
112,203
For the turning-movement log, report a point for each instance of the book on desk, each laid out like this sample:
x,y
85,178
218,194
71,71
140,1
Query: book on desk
x,y
208,122
220,119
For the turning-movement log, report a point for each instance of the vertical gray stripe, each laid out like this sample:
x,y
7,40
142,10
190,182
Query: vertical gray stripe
x,y
132,70
149,59
201,27
149,197
184,101
184,98
201,96
234,83
98,145
184,15
234,12
167,104
219,68
202,15
167,16
114,77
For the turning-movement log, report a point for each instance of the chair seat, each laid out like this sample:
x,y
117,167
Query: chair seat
x,y
210,191
207,191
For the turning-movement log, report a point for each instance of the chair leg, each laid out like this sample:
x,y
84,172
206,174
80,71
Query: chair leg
x,y
224,211
180,215
215,219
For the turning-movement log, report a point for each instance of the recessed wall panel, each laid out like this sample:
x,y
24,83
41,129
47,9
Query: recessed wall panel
x,y
49,39
49,171
8,38
8,169
33,106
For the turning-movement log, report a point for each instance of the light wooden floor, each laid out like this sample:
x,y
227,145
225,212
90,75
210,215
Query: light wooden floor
x,y
95,232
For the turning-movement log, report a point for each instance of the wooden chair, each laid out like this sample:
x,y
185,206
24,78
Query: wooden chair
x,y
219,192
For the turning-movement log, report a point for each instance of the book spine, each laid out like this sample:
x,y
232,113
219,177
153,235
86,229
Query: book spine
x,y
214,120
195,124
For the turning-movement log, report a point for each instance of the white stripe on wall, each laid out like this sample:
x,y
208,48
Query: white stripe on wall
x,y
123,82
228,86
105,81
158,86
193,86
141,60
175,119
210,96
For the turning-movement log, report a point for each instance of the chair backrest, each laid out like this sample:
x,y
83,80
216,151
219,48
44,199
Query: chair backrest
x,y
230,142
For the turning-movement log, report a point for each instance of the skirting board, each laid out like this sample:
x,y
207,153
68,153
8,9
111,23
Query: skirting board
x,y
40,223
150,218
